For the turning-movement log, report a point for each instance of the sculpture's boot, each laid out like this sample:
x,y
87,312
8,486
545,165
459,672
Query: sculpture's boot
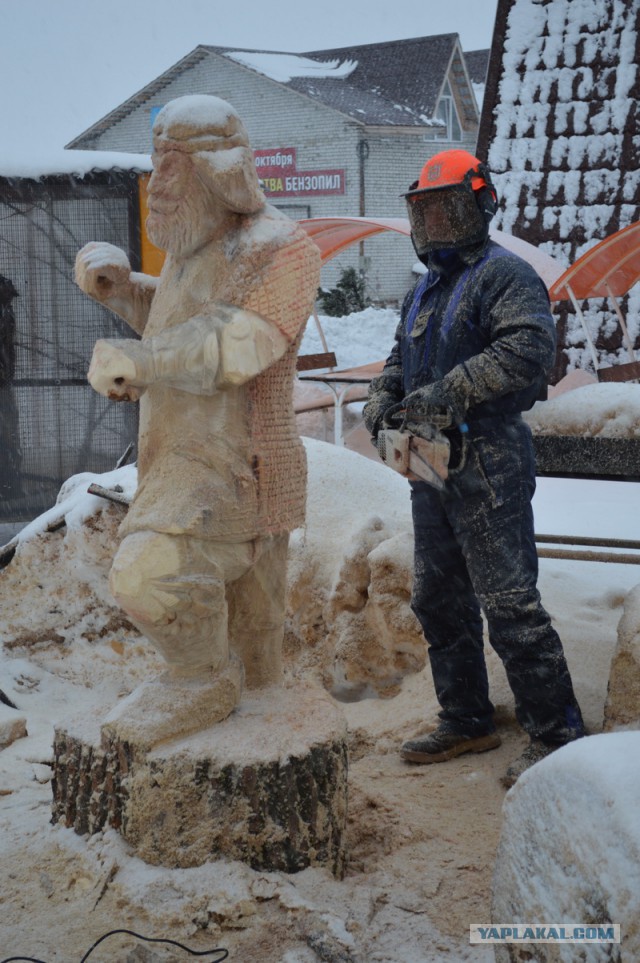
x,y
173,706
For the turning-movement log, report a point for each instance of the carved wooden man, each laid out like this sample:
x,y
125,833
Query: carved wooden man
x,y
201,569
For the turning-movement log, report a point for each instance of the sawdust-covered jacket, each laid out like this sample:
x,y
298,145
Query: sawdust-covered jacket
x,y
479,325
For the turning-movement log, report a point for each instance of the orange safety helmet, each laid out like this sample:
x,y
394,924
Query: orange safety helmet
x,y
451,167
451,203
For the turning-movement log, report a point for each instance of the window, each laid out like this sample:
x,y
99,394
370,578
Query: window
x,y
447,113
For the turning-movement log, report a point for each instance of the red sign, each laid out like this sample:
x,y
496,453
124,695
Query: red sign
x,y
305,184
280,178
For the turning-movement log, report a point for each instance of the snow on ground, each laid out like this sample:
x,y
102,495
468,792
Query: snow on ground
x,y
422,841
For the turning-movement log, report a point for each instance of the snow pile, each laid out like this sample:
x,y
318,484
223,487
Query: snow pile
x,y
570,846
58,616
350,575
595,410
55,588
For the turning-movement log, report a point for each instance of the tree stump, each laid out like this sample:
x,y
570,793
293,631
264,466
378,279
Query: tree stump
x,y
268,786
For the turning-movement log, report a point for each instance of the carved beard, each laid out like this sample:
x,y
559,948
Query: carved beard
x,y
186,229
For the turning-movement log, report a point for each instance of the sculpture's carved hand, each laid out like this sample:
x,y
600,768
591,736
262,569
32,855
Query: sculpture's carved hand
x,y
112,370
103,271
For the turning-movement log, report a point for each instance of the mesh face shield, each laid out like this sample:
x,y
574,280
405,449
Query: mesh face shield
x,y
446,217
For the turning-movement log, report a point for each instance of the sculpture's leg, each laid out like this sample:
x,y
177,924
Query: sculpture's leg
x,y
176,598
173,589
257,603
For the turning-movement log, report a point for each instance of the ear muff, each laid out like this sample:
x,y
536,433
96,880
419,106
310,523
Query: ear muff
x,y
487,202
486,196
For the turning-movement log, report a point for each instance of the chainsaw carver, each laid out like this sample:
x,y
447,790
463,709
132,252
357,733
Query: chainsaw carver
x,y
473,349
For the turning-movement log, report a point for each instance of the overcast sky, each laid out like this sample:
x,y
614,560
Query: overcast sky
x,y
66,63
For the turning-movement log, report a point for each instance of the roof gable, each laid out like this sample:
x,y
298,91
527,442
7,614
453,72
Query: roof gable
x,y
477,62
409,73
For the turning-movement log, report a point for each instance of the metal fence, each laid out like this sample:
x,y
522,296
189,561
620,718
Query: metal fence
x,y
52,423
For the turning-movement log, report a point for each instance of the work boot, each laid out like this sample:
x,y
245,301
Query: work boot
x,y
535,751
439,745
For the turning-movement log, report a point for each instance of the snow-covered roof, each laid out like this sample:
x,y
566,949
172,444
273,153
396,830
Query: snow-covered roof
x,y
390,84
284,67
77,163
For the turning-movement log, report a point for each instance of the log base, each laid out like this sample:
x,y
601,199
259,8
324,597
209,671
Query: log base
x,y
268,786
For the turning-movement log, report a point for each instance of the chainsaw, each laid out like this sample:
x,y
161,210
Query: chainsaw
x,y
419,457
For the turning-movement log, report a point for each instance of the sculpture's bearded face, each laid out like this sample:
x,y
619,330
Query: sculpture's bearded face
x,y
183,213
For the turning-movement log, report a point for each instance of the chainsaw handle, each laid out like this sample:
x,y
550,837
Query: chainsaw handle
x,y
396,412
392,415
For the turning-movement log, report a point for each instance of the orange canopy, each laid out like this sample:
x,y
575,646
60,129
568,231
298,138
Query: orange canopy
x,y
609,269
333,234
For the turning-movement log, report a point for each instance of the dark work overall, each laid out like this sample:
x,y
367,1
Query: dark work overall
x,y
474,543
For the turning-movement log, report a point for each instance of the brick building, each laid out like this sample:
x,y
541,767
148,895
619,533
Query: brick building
x,y
335,132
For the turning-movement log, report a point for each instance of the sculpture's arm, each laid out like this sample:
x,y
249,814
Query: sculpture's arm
x,y
226,346
206,353
103,272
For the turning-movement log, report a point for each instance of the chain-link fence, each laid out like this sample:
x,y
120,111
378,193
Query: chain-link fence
x,y
52,424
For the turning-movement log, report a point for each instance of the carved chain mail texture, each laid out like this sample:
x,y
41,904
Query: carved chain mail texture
x,y
281,462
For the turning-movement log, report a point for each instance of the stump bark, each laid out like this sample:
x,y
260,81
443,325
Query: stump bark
x,y
267,786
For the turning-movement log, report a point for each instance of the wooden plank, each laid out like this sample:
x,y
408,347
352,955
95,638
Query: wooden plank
x,y
620,372
310,362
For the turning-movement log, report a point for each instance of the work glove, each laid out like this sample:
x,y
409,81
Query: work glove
x,y
450,395
380,400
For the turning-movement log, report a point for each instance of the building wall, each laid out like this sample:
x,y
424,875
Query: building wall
x,y
324,139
